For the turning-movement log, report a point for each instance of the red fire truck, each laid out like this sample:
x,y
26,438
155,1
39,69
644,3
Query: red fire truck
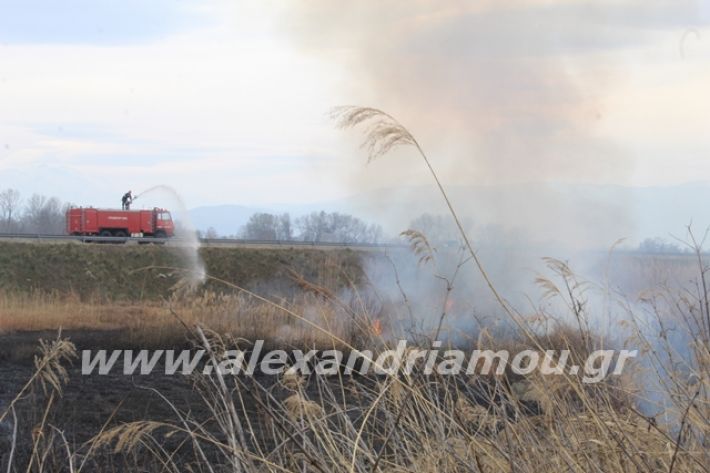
x,y
88,221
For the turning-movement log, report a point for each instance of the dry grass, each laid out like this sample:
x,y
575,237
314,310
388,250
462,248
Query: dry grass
x,y
403,423
417,423
40,311
157,322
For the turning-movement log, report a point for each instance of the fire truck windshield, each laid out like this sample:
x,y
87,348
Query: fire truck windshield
x,y
164,216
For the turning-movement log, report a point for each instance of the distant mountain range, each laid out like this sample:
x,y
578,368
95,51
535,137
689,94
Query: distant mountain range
x,y
573,215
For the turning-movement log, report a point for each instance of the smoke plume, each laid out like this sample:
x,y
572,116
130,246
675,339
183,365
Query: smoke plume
x,y
508,99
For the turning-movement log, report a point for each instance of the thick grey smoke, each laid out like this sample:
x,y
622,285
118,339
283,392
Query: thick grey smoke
x,y
509,100
505,97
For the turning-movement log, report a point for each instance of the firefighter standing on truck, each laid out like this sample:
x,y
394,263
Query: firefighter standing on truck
x,y
126,201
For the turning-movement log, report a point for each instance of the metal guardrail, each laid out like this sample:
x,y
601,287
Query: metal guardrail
x,y
272,243
204,241
239,241
88,239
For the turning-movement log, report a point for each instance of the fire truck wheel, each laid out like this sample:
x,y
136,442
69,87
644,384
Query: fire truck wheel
x,y
105,233
159,234
120,233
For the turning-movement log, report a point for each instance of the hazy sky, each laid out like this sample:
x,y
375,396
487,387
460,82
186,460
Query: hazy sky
x,y
227,101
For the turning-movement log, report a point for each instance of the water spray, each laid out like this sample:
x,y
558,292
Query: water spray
x,y
191,247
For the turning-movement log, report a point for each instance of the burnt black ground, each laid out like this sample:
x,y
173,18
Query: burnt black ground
x,y
91,402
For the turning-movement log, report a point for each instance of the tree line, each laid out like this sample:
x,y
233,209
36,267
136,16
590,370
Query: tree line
x,y
36,214
314,227
46,215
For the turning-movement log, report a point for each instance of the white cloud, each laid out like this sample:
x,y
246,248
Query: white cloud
x,y
222,100
233,108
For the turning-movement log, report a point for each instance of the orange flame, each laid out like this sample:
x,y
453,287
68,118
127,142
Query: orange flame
x,y
377,327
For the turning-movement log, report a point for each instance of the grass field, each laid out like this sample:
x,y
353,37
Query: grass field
x,y
652,418
133,292
139,273
69,422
